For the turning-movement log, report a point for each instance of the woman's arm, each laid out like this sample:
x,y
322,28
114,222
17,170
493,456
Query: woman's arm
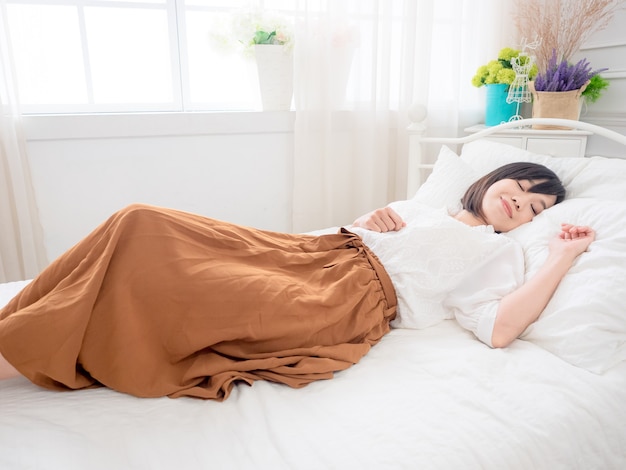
x,y
523,306
384,219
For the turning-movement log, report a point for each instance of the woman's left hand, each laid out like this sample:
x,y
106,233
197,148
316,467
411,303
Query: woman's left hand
x,y
523,306
572,240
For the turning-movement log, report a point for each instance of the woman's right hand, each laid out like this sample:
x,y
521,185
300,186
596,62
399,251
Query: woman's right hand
x,y
572,241
381,220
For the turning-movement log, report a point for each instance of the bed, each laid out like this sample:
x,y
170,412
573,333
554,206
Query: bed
x,y
431,398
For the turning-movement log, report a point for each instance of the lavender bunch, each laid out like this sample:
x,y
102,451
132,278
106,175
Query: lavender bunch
x,y
564,76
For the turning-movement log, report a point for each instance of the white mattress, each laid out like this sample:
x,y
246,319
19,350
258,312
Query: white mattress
x,y
429,399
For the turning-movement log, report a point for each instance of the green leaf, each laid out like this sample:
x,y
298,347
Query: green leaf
x,y
597,85
263,37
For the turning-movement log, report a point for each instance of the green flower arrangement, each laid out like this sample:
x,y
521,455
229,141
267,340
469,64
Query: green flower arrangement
x,y
501,70
597,85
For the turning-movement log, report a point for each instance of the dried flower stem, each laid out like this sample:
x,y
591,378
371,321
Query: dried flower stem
x,y
562,25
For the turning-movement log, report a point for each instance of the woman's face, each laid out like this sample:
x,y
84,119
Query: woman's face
x,y
509,203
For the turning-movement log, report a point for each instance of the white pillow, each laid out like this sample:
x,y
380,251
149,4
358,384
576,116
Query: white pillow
x,y
485,156
592,177
585,321
601,178
447,183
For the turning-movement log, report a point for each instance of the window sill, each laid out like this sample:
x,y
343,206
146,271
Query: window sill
x,y
90,126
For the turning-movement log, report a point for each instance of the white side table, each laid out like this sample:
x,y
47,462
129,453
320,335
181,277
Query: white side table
x,y
556,143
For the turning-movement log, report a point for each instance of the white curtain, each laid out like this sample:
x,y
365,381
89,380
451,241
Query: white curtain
x,y
22,253
359,66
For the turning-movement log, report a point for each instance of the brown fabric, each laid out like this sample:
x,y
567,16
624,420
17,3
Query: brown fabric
x,y
158,302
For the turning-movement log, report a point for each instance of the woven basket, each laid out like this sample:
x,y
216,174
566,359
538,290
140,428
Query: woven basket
x,y
556,104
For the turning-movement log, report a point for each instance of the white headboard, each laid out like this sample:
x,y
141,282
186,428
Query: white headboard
x,y
417,131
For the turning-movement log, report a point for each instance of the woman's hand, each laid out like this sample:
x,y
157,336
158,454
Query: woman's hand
x,y
572,241
381,220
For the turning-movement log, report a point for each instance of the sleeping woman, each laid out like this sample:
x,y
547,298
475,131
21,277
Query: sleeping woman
x,y
157,302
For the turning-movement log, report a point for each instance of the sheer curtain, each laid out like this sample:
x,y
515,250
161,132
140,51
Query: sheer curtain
x,y
22,253
359,66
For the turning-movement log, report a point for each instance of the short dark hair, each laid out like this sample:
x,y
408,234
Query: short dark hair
x,y
549,184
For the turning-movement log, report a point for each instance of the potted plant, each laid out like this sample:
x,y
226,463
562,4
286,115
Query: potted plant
x,y
256,27
497,75
269,38
242,30
558,92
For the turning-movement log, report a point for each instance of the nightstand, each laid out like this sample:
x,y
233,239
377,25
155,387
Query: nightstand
x,y
557,143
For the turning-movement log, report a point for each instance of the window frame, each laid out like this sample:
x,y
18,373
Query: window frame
x,y
176,11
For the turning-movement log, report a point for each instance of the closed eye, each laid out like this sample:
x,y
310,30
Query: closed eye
x,y
532,208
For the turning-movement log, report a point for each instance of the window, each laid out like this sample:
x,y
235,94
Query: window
x,y
75,56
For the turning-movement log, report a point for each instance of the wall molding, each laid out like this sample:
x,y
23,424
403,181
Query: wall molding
x,y
613,74
602,45
610,121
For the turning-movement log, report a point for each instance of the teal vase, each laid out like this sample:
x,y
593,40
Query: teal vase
x,y
498,110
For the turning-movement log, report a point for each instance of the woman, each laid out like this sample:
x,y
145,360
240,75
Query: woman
x,y
158,302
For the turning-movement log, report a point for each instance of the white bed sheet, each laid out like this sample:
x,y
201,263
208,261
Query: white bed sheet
x,y
428,399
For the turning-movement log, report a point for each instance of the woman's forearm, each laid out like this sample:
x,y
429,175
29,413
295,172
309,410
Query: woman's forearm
x,y
523,306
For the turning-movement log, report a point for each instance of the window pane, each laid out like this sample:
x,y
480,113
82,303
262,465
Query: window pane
x,y
129,54
48,54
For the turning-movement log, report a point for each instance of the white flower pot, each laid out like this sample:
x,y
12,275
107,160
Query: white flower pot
x,y
275,69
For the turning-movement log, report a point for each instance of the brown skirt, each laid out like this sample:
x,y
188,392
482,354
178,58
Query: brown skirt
x,y
157,302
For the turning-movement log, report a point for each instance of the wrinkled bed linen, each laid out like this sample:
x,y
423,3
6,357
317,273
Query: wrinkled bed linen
x,y
432,399
157,302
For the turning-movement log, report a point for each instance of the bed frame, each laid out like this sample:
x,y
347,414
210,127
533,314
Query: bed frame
x,y
417,138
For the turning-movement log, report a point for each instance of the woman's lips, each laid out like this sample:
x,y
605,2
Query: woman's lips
x,y
507,208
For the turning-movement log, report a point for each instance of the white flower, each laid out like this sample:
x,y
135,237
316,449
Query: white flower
x,y
243,29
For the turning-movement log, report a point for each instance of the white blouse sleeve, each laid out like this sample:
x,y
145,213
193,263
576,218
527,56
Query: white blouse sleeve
x,y
475,302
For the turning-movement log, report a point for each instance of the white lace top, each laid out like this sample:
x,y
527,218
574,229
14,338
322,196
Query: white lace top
x,y
442,268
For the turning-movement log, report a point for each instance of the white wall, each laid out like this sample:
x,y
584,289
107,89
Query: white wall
x,y
235,167
607,48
